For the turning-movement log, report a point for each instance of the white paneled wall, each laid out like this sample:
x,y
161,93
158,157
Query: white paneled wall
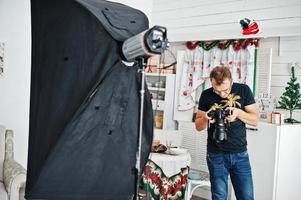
x,y
282,57
286,50
219,19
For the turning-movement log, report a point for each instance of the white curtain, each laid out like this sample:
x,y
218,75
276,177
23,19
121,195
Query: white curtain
x,y
199,62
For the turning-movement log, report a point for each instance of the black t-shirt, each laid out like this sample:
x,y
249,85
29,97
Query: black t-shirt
x,y
236,134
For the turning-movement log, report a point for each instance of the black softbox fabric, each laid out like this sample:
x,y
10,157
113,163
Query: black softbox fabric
x,y
84,109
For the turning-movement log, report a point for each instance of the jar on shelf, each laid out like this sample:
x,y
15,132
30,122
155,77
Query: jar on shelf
x,y
159,120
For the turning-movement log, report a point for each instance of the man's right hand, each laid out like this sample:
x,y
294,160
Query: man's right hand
x,y
201,120
210,120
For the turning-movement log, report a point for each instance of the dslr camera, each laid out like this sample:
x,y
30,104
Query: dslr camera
x,y
220,126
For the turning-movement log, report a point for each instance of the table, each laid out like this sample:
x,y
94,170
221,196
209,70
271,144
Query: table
x,y
165,175
171,164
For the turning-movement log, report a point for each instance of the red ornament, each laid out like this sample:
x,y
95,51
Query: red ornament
x,y
246,43
191,45
236,45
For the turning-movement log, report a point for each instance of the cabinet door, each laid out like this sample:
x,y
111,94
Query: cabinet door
x,y
289,163
262,146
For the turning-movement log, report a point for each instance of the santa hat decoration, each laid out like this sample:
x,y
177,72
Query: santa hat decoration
x,y
249,26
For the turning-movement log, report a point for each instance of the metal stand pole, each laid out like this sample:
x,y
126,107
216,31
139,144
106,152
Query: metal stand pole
x,y
138,154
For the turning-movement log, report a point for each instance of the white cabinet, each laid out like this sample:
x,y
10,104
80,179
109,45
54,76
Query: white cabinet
x,y
162,87
275,156
276,163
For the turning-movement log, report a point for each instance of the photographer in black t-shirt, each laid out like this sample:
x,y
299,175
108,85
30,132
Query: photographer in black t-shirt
x,y
227,156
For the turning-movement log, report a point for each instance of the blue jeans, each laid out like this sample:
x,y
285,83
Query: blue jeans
x,y
237,165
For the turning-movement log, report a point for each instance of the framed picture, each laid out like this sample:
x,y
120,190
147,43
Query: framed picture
x,y
1,58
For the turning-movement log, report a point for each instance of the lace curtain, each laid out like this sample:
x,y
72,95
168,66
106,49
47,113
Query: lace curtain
x,y
202,57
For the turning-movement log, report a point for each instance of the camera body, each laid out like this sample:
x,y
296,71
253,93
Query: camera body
x,y
220,126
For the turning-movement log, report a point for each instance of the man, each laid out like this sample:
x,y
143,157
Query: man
x,y
229,156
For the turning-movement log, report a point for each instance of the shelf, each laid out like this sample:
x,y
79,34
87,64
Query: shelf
x,y
155,74
161,95
156,89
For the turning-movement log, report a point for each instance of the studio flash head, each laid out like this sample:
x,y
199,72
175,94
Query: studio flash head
x,y
145,44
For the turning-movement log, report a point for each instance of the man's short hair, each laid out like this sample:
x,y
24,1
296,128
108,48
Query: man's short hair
x,y
219,74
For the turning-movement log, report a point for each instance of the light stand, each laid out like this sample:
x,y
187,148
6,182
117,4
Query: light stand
x,y
137,49
142,63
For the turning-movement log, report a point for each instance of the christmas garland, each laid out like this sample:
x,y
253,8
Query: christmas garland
x,y
208,44
223,44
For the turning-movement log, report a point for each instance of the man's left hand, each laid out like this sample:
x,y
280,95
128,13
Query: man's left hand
x,y
234,113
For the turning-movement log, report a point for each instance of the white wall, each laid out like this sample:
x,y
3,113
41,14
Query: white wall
x,y
15,31
286,50
219,19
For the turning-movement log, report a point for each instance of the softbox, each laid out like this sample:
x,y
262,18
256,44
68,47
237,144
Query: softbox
x,y
84,102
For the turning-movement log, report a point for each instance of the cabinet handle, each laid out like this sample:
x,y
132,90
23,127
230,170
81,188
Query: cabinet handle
x,y
252,129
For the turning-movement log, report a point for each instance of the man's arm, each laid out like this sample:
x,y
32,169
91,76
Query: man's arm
x,y
201,120
249,116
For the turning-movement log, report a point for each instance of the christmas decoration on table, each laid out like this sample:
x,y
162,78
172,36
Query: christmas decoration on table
x,y
249,26
291,98
276,118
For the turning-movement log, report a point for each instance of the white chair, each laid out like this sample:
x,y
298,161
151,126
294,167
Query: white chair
x,y
12,174
193,184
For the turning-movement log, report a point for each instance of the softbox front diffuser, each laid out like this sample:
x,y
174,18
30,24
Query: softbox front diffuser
x,y
84,102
